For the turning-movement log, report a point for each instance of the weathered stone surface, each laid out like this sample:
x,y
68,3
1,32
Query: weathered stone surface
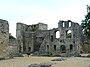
x,y
40,65
45,65
58,59
34,65
4,38
36,38
13,48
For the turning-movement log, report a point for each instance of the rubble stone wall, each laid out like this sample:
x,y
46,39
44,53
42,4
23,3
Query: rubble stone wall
x,y
4,38
32,38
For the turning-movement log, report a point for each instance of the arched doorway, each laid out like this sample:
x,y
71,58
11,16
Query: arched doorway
x,y
63,49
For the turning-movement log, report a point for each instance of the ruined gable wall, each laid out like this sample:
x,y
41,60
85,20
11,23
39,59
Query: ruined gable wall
x,y
75,36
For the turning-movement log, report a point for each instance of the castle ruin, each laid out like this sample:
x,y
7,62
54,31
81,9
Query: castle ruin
x,y
37,38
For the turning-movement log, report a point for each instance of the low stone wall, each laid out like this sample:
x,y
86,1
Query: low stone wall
x,y
13,48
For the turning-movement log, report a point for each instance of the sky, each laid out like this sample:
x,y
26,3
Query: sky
x,y
45,11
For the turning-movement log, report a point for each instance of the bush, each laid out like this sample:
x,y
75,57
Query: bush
x,y
49,52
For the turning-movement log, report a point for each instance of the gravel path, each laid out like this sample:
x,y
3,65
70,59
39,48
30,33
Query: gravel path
x,y
26,61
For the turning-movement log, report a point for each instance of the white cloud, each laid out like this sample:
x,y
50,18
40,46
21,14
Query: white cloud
x,y
29,14
46,16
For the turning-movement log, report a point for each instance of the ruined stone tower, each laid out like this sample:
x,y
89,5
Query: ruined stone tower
x,y
26,36
4,38
36,38
69,40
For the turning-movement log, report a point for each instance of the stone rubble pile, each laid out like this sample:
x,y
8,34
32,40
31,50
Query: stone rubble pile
x,y
58,59
40,65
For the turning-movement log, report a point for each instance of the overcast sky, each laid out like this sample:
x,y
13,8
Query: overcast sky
x,y
45,11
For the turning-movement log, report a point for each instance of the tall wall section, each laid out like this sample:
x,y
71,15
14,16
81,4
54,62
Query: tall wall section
x,y
4,38
70,34
26,36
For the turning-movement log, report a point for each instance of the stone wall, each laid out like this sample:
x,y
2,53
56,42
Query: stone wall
x,y
36,38
25,36
69,38
13,48
4,38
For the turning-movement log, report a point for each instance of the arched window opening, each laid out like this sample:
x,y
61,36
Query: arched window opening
x,y
68,34
63,49
47,47
69,24
51,38
29,48
63,24
57,34
55,47
71,47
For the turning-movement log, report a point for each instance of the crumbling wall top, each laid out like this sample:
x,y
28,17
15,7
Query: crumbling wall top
x,y
67,24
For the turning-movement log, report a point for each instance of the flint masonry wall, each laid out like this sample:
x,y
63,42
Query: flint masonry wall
x,y
4,38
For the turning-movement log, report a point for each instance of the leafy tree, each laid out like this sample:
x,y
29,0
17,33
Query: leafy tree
x,y
11,37
86,24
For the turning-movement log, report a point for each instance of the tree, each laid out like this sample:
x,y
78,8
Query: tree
x,y
11,37
86,23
